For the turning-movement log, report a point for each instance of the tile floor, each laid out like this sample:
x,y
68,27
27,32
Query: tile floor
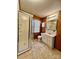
x,y
40,51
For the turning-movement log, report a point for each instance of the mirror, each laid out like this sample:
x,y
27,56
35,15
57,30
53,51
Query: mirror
x,y
51,23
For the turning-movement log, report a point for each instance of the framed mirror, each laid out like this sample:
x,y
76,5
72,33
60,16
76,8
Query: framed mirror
x,y
51,23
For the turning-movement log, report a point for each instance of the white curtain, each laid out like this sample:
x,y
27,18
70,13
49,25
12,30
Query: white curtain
x,y
35,26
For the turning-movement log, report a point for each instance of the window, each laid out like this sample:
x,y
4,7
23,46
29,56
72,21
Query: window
x,y
35,26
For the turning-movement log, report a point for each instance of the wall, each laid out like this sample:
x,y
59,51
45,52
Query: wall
x,y
58,36
36,34
43,30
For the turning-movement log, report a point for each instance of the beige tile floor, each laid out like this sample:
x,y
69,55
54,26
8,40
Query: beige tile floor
x,y
40,51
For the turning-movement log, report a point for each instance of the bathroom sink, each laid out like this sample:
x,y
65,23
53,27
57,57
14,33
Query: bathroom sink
x,y
51,33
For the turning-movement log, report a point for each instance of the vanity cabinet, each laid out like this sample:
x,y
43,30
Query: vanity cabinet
x,y
48,39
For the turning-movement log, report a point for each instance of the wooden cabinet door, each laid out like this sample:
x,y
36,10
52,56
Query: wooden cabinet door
x,y
58,36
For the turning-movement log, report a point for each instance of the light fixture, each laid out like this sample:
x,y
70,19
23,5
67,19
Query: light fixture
x,y
43,24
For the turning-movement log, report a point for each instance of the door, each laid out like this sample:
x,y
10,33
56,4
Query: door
x,y
23,31
58,36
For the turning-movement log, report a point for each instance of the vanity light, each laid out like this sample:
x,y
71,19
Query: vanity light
x,y
53,16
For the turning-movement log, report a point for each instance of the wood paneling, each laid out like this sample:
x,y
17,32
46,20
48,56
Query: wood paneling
x,y
43,30
58,36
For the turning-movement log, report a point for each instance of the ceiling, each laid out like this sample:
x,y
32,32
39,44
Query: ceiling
x,y
41,8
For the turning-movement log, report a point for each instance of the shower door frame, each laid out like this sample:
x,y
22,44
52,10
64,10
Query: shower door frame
x,y
29,33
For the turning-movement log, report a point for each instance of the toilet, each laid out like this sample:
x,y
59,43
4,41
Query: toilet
x,y
39,38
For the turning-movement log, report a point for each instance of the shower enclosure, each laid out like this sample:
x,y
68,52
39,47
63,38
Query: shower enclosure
x,y
24,32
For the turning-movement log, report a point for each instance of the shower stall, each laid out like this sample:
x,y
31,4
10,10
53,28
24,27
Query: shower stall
x,y
24,41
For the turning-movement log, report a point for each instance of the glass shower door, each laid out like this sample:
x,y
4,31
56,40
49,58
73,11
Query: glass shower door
x,y
23,32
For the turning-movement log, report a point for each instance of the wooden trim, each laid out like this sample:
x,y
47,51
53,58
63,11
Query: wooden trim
x,y
58,36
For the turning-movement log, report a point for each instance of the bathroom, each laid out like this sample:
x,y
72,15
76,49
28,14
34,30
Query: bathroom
x,y
39,29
